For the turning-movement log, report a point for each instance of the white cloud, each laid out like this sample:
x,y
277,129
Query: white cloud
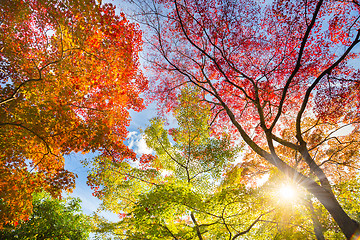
x,y
131,134
132,137
142,148
136,142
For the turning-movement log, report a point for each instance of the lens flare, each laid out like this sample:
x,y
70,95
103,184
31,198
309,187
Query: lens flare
x,y
287,192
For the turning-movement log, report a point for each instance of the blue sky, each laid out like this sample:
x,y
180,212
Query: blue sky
x,y
139,120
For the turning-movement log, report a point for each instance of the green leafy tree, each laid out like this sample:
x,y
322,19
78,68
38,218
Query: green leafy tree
x,y
188,191
51,219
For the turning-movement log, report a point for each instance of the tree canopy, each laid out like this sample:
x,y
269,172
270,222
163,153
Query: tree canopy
x,y
176,194
51,219
192,188
69,73
280,76
263,92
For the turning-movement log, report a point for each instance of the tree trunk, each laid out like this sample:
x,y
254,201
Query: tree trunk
x,y
316,224
347,225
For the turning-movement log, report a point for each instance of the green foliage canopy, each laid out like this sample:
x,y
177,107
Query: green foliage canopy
x,y
51,219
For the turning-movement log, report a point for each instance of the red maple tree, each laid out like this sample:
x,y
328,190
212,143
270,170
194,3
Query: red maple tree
x,y
279,75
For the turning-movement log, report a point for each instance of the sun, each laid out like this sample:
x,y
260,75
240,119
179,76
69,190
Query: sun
x,y
287,192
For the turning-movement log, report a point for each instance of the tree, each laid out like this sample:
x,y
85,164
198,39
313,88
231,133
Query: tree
x,y
279,75
51,219
68,76
185,190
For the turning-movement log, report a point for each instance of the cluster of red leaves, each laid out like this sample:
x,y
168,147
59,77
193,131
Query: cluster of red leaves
x,y
260,61
146,160
251,53
339,98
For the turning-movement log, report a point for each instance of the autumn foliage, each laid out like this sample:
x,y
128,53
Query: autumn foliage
x,y
277,79
68,76
282,76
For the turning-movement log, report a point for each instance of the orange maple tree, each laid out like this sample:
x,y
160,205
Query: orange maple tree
x,y
68,76
279,75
